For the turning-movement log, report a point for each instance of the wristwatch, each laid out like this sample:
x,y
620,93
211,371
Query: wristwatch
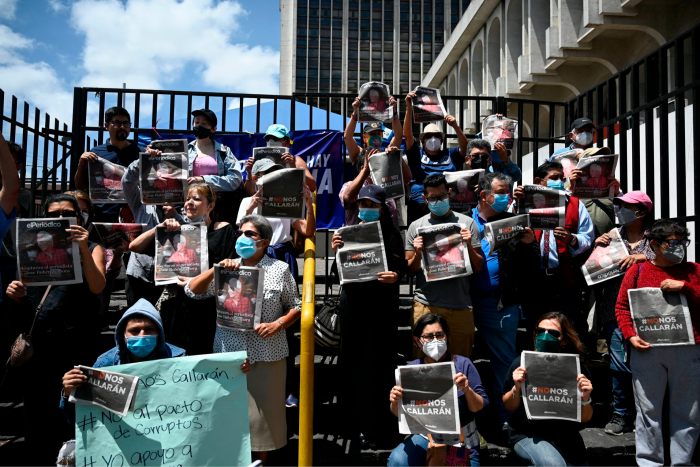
x,y
590,399
281,323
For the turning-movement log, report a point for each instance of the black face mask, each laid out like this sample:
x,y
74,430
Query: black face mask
x,y
201,133
481,162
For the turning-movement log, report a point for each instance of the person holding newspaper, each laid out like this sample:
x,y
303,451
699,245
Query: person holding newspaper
x,y
635,215
449,298
582,135
431,335
480,155
675,368
355,347
548,442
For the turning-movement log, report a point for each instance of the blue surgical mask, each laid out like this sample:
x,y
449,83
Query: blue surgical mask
x,y
439,208
500,202
556,184
546,342
245,247
141,346
368,214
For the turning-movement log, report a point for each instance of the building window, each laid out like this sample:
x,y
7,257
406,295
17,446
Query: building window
x,y
301,32
313,32
377,75
301,72
301,11
313,72
338,33
427,37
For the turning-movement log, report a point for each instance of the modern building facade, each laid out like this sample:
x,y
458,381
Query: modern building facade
x,y
335,46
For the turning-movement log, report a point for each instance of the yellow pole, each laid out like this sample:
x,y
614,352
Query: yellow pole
x,y
306,393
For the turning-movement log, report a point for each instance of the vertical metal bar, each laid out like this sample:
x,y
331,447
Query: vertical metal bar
x,y
311,114
636,173
44,178
55,156
120,99
696,123
206,101
680,131
2,109
154,116
189,112
600,115
100,135
622,105
25,138
520,135
650,72
223,114
274,111
551,135
240,114
257,115
611,113
65,153
13,122
172,111
35,152
328,115
664,192
293,116
137,115
77,138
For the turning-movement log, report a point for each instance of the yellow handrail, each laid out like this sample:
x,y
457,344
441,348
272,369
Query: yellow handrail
x,y
306,393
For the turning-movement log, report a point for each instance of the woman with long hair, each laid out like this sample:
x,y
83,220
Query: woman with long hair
x,y
548,442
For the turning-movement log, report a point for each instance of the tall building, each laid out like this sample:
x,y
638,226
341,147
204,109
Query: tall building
x,y
335,46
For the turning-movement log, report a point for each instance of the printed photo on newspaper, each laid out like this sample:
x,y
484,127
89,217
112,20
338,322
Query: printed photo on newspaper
x,y
110,390
181,253
45,256
500,233
239,297
112,235
500,130
429,401
604,262
661,318
598,173
374,103
282,194
551,389
163,178
445,256
274,154
464,186
546,207
427,105
170,146
568,160
105,182
386,171
362,255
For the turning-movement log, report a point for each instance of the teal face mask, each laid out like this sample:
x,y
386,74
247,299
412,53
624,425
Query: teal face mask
x,y
546,342
368,214
439,208
556,184
141,346
245,247
500,202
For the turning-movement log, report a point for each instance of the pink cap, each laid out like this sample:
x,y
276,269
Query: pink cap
x,y
636,197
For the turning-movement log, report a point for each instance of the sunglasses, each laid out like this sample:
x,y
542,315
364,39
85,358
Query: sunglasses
x,y
429,337
553,332
67,213
674,242
247,233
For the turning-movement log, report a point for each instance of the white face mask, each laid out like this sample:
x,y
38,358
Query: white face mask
x,y
85,218
585,138
433,144
435,349
271,143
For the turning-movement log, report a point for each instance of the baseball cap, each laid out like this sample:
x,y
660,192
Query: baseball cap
x,y
263,165
278,131
601,151
206,113
635,197
370,127
431,128
373,193
581,122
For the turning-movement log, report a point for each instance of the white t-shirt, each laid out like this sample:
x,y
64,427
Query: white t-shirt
x,y
281,228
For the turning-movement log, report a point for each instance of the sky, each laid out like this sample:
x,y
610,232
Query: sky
x,y
48,47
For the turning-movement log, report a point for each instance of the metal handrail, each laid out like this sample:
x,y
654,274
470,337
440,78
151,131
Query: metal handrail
x,y
306,358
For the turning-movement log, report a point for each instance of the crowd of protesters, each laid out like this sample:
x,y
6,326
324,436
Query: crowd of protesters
x,y
535,279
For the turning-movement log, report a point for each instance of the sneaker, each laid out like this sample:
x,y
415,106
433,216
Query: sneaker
x,y
619,425
292,401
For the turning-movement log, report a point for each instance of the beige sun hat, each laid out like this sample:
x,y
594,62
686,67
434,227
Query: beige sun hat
x,y
431,128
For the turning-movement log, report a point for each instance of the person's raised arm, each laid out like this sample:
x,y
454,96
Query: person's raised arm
x,y
143,241
353,190
463,141
307,226
81,173
408,121
349,135
200,284
396,125
414,251
93,262
511,399
10,178
299,163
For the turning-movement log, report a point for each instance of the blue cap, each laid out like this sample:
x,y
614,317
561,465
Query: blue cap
x,y
373,193
278,131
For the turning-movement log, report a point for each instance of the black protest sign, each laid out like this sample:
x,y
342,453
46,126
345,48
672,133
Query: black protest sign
x,y
500,233
464,186
110,390
429,400
163,178
546,206
45,256
362,255
604,262
445,256
661,318
282,194
386,171
427,105
274,154
170,146
105,181
551,389
374,103
180,253
111,235
597,173
239,297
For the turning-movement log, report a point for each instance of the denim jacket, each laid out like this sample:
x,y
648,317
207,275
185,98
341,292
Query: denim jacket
x,y
229,177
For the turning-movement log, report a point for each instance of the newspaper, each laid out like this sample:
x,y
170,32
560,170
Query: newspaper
x,y
546,206
282,194
274,154
427,105
598,172
445,256
362,255
568,160
500,233
170,146
500,130
111,235
464,186
374,103
550,390
110,390
661,318
181,253
604,262
429,402
44,254
163,178
239,297
387,172
105,182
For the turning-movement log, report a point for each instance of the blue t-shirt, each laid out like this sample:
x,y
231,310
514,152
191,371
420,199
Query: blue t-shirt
x,y
422,165
487,280
5,224
123,157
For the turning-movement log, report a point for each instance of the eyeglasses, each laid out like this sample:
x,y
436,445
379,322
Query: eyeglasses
x,y
674,242
247,233
120,123
553,332
438,335
434,199
67,213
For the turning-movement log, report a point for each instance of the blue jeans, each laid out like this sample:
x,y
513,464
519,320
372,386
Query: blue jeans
x,y
537,452
500,329
413,450
623,395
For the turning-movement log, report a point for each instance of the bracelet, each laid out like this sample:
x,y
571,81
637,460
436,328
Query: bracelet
x,y
590,399
352,116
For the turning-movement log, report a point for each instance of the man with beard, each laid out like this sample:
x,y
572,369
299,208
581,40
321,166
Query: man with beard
x,y
117,150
